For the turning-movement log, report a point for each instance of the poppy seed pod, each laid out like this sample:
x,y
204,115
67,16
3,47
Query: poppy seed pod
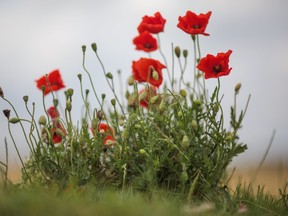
x,y
7,113
1,92
177,51
83,48
94,47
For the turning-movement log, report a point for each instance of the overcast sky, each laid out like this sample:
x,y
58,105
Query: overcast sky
x,y
39,36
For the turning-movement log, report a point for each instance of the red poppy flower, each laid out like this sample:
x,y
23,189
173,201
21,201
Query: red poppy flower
x,y
150,92
53,112
152,24
194,24
215,66
57,132
107,129
108,137
54,83
145,42
148,70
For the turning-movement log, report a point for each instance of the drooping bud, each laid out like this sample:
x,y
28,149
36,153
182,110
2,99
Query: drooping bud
x,y
7,113
83,48
79,77
237,87
183,93
42,120
185,53
177,51
94,47
131,80
25,98
155,75
113,102
1,93
14,120
109,75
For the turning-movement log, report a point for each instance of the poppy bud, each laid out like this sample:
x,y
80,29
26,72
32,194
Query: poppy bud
x,y
109,75
80,77
43,88
55,102
99,115
184,176
193,37
103,96
83,48
94,123
143,96
194,124
1,92
131,80
121,122
60,132
185,53
25,98
70,92
154,99
155,75
237,87
68,105
162,106
87,92
14,120
6,113
183,93
185,142
142,151
177,51
94,47
42,120
113,102
197,102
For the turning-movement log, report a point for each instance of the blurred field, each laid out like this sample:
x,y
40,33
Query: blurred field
x,y
272,176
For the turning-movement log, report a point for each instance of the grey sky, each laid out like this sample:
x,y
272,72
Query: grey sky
x,y
39,36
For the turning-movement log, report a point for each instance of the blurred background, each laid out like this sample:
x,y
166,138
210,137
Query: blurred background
x,y
40,36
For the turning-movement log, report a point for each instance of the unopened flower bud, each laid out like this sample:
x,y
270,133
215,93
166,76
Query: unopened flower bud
x,y
185,53
131,80
155,75
83,48
43,88
100,115
60,132
184,176
68,105
154,99
109,75
14,120
80,77
177,51
1,92
6,113
103,96
185,142
94,124
113,102
143,95
94,47
194,124
42,120
55,103
197,102
25,98
137,126
70,92
87,92
193,37
237,87
183,93
121,122
162,106
142,151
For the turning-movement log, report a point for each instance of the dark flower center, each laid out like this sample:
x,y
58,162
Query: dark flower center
x,y
148,45
196,26
217,68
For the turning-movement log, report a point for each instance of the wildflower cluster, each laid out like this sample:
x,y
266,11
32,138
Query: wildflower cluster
x,y
164,137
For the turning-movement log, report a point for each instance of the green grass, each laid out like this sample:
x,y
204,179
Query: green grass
x,y
90,200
